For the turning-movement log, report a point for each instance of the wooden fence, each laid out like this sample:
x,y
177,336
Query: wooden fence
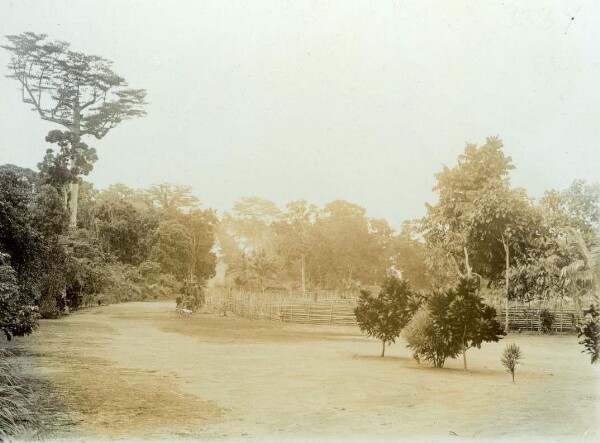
x,y
325,313
337,308
525,318
326,307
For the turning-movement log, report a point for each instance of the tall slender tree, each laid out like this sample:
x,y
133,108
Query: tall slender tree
x,y
293,234
80,92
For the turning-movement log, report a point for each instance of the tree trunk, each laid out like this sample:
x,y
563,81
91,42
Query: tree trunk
x,y
577,302
65,195
74,198
464,353
303,274
507,257
383,349
467,265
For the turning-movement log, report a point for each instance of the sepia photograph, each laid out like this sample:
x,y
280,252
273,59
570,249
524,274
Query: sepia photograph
x,y
299,221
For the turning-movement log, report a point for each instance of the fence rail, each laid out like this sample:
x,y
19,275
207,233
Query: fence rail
x,y
337,308
524,318
318,313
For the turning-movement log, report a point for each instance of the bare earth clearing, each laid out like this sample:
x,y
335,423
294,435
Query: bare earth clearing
x,y
137,370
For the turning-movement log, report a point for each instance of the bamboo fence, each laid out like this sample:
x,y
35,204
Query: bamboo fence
x,y
337,308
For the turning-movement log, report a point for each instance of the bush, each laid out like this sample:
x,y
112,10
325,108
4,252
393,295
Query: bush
x,y
192,295
510,358
18,312
589,329
546,321
416,334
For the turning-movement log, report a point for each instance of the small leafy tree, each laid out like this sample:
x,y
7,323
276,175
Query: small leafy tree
x,y
384,316
510,358
474,321
442,340
449,322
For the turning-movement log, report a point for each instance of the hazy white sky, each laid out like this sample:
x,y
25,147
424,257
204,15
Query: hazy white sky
x,y
362,101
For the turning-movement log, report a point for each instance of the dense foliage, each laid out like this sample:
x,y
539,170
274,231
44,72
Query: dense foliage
x,y
383,316
112,256
589,331
31,225
451,321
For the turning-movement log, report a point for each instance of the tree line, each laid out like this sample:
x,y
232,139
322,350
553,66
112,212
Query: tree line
x,y
63,243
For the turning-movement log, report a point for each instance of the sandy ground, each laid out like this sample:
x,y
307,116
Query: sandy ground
x,y
136,370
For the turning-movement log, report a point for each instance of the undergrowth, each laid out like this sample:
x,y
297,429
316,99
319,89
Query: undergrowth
x,y
17,421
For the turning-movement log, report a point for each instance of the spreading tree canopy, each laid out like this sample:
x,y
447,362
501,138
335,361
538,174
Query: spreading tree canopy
x,y
480,223
77,91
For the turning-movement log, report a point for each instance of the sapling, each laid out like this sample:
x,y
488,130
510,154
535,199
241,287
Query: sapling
x,y
510,358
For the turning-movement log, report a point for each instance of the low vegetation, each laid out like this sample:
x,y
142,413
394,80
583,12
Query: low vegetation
x,y
511,357
16,417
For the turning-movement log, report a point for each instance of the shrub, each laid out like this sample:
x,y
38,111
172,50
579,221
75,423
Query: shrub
x,y
193,296
546,321
18,313
510,358
416,333
589,329
15,406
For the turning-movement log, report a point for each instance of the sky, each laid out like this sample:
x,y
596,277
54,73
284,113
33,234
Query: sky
x,y
323,100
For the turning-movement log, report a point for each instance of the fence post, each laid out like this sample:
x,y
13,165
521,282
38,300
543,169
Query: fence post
x,y
561,315
331,311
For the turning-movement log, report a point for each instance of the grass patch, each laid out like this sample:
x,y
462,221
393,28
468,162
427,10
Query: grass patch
x,y
17,417
110,401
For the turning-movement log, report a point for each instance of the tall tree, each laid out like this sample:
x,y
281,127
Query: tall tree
x,y
172,198
293,234
410,257
252,223
183,244
479,221
77,91
473,320
577,207
344,249
65,167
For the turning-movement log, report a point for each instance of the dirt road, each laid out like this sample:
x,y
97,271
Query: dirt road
x,y
137,370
